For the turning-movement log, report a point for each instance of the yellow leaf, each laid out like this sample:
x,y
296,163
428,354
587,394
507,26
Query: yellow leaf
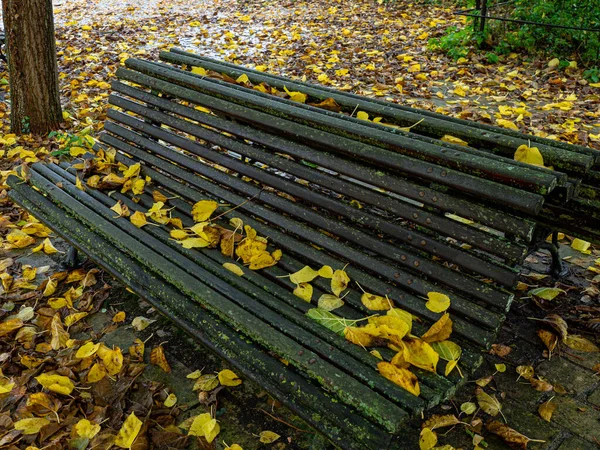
x,y
388,326
31,426
507,124
402,377
339,282
170,401
420,354
243,79
113,360
158,358
581,245
86,429
488,403
206,383
375,302
202,210
128,432
234,446
326,272
359,337
59,335
6,385
86,350
304,291
330,302
362,115
454,140
50,287
437,302
119,317
194,375
204,425
427,439
49,249
268,437
56,383
229,378
77,151
296,96
304,275
96,373
439,331
199,71
132,171
121,209
10,325
234,268
137,349
529,155
401,314
72,319
580,343
525,372
138,219
546,410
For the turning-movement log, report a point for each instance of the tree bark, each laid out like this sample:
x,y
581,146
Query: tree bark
x,y
33,70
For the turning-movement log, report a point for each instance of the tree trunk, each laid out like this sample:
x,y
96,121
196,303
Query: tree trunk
x,y
31,49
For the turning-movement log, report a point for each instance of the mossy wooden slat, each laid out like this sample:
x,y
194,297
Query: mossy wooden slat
x,y
488,241
435,200
339,423
501,140
463,160
345,388
478,187
290,244
484,292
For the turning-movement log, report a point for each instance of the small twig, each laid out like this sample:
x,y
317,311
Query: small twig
x,y
286,423
237,206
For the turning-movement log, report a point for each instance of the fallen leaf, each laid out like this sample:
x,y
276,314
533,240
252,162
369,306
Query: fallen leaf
x,y
158,358
437,302
488,403
510,436
427,439
402,377
440,330
128,432
546,410
31,425
229,378
268,437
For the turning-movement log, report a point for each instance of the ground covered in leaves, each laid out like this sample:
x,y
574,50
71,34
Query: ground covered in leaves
x,y
83,365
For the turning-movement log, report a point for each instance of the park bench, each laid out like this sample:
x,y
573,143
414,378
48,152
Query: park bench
x,y
406,215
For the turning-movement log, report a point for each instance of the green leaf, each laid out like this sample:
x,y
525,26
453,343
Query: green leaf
x,y
448,350
547,293
329,320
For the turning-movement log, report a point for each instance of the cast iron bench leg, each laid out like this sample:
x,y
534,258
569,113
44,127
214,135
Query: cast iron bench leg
x,y
71,260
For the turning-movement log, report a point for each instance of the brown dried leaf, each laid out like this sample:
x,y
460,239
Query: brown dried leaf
x,y
510,436
158,358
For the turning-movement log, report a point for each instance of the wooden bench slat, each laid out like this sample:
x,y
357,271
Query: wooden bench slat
x,y
324,413
285,242
497,245
478,187
463,160
504,141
